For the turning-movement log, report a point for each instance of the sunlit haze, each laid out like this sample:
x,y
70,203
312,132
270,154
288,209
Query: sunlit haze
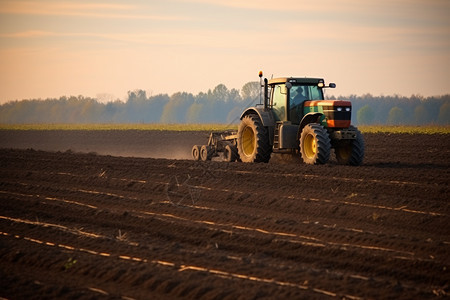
x,y
105,48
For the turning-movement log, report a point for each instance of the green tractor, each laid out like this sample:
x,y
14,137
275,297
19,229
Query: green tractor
x,y
293,118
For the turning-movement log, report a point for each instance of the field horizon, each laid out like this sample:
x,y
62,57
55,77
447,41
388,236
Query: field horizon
x,y
429,129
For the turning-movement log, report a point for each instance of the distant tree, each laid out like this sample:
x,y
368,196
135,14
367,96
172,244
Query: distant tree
x,y
218,105
136,95
365,115
234,114
396,116
444,113
421,115
175,110
220,93
251,90
234,96
135,107
194,113
110,111
155,107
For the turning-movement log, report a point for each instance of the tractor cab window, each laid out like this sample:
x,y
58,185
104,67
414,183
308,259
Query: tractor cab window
x,y
298,94
315,93
279,102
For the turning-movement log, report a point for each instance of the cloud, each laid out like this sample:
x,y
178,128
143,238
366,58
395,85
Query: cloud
x,y
92,10
269,5
27,34
199,37
324,5
416,9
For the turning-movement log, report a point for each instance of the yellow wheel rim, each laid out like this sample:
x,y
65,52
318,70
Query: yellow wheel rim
x,y
248,141
310,146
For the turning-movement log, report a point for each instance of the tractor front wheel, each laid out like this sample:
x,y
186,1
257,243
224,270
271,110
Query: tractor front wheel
x,y
315,145
351,152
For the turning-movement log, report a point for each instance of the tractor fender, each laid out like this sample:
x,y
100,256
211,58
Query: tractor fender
x,y
265,116
313,117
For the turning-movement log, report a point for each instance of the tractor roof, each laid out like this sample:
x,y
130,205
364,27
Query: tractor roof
x,y
296,80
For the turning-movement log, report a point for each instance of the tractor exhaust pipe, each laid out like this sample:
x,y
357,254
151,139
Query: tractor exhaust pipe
x,y
260,86
266,96
266,90
266,93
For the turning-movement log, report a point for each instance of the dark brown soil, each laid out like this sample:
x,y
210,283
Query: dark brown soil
x,y
136,143
94,226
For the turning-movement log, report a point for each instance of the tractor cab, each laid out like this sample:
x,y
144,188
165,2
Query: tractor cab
x,y
288,96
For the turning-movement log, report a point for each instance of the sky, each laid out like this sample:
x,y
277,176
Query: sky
x,y
105,48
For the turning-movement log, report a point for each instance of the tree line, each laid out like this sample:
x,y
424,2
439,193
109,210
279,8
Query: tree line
x,y
398,110
219,105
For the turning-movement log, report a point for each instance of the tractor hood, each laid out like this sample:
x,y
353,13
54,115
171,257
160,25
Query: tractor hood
x,y
337,113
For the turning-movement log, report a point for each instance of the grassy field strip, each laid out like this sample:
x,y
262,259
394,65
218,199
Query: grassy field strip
x,y
431,129
104,127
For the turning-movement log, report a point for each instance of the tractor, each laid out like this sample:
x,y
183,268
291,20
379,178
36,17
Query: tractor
x,y
293,118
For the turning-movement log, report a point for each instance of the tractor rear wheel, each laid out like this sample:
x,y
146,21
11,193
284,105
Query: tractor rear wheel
x,y
196,152
253,140
351,152
315,145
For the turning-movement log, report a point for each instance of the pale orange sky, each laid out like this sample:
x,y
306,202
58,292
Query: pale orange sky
x,y
106,48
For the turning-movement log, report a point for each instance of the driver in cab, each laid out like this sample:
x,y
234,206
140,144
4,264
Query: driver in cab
x,y
297,96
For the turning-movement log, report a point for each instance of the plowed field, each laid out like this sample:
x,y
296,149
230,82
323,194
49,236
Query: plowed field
x,y
94,226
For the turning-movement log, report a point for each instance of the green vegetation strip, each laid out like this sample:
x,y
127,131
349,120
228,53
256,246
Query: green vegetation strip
x,y
156,127
210,127
406,129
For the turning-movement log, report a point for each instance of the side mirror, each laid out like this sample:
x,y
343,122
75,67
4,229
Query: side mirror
x,y
332,85
288,85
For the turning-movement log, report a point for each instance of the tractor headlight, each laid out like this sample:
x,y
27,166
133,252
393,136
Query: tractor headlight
x,y
339,108
347,109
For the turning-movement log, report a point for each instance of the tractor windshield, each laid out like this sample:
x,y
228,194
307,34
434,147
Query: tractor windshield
x,y
300,93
